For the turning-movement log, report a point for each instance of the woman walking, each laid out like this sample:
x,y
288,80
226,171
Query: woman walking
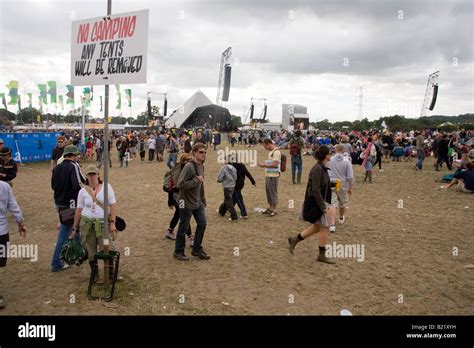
x,y
369,155
173,198
319,188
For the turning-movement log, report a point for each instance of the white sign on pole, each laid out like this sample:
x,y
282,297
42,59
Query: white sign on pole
x,y
110,50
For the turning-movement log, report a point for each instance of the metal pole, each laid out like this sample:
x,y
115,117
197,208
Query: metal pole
x,y
83,126
106,170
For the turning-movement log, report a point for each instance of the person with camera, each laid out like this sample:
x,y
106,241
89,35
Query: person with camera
x,y
90,215
66,183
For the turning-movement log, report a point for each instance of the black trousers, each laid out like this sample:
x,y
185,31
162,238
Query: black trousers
x,y
444,158
151,154
228,204
3,241
175,219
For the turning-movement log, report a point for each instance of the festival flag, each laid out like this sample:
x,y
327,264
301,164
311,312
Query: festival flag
x,y
61,101
13,93
119,97
4,102
70,94
100,103
30,100
384,125
40,100
52,91
128,95
43,94
87,96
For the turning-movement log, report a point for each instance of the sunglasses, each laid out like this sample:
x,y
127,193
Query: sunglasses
x,y
204,152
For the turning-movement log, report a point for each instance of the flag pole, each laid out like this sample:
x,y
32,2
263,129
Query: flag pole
x,y
106,170
83,122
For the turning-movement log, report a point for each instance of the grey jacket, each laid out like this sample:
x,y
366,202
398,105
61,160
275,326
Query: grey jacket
x,y
227,176
8,204
191,190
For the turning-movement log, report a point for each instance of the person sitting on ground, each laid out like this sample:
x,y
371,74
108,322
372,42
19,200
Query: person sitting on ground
x,y
464,180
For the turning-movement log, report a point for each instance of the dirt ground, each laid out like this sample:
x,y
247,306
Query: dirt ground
x,y
408,251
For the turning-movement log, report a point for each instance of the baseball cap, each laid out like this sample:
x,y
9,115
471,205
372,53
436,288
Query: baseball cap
x,y
92,169
71,149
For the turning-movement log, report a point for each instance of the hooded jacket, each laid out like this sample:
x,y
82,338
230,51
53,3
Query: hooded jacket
x,y
340,168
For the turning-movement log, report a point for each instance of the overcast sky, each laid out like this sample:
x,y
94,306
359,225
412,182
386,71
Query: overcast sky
x,y
285,51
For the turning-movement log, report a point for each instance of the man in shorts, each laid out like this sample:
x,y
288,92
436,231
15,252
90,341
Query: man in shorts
x,y
340,169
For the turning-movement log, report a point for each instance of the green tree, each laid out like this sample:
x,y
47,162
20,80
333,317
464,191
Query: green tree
x,y
7,114
324,124
236,121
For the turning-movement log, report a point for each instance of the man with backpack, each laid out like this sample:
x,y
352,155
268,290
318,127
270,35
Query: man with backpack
x,y
272,173
296,145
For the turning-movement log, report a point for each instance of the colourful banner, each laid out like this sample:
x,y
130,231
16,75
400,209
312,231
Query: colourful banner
x,y
13,93
86,100
61,101
119,97
70,94
128,95
43,94
30,100
4,101
52,91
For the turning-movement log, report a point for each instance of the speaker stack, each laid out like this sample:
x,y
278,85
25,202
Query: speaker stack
x,y
227,76
435,95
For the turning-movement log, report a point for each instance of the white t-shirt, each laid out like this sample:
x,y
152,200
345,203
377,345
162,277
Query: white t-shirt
x,y
151,144
91,209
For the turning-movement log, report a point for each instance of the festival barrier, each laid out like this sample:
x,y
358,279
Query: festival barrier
x,y
30,147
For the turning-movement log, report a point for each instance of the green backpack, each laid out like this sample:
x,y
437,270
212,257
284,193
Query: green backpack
x,y
73,253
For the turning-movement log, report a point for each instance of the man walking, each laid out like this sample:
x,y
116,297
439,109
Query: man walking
x,y
228,177
192,202
66,184
339,169
173,151
57,151
8,204
8,166
443,150
420,150
296,145
272,173
151,148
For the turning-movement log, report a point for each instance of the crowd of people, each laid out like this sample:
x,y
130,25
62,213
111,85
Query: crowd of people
x,y
79,192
